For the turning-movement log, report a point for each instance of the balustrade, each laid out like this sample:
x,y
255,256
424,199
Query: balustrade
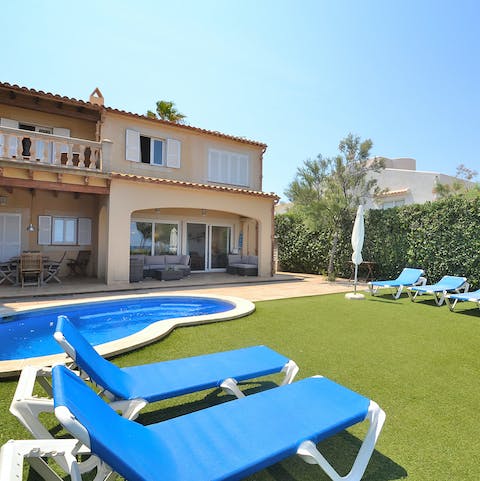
x,y
47,149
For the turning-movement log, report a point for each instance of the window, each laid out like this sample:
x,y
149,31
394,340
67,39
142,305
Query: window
x,y
228,167
64,230
393,203
153,238
151,150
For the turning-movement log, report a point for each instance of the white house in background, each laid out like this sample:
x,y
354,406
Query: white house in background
x,y
403,184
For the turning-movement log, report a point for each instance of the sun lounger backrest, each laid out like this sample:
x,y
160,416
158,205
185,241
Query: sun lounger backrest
x,y
97,425
409,276
100,371
451,282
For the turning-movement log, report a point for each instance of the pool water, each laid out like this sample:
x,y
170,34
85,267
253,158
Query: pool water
x,y
30,334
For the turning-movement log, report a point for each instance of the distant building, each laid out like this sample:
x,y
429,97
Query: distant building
x,y
283,207
403,184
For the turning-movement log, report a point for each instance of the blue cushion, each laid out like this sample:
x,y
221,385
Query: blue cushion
x,y
227,441
166,379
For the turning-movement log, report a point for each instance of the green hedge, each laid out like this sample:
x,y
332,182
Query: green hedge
x,y
442,237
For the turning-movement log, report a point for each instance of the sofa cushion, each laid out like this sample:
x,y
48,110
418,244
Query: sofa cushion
x,y
250,260
185,260
234,259
173,259
155,260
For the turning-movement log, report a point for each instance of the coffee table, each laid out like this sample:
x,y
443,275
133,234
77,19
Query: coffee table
x,y
167,275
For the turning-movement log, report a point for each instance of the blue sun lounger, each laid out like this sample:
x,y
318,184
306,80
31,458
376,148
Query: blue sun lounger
x,y
440,289
452,299
225,442
132,388
154,382
407,278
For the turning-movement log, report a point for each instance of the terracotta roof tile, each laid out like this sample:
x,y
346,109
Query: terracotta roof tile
x,y
82,103
393,193
195,185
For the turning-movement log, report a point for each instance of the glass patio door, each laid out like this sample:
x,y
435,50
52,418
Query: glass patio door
x,y
219,247
197,246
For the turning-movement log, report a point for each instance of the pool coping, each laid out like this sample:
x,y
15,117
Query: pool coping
x,y
148,335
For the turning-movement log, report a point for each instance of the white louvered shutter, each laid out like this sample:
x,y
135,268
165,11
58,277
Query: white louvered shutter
x,y
84,231
213,164
62,133
174,148
132,145
44,230
13,144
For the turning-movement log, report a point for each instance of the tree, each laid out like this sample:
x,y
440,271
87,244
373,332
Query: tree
x,y
166,110
327,191
461,185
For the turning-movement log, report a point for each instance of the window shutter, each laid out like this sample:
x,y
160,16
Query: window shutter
x,y
84,231
174,148
243,170
44,230
13,144
132,145
62,133
13,124
213,164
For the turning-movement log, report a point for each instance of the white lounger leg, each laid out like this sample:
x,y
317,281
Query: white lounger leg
x,y
26,406
230,385
310,454
13,453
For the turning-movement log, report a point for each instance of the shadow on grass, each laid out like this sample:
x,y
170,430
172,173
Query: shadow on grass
x,y
384,298
472,311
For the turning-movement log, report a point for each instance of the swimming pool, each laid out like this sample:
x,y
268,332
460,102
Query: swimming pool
x,y
29,334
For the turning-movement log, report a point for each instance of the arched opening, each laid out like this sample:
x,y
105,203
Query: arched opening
x,y
207,236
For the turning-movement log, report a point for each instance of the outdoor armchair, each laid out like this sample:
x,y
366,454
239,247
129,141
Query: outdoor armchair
x,y
227,441
407,278
440,289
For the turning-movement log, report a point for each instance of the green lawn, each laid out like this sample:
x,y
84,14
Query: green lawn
x,y
419,362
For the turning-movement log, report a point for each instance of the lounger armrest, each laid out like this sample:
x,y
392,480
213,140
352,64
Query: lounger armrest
x,y
422,281
311,455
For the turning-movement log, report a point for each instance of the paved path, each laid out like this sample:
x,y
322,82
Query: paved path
x,y
286,285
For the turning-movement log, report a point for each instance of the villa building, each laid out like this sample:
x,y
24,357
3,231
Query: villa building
x,y
403,184
80,176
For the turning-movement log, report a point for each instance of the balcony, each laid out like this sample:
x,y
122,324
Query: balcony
x,y
24,146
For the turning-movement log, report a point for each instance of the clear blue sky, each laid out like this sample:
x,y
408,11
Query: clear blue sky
x,y
298,75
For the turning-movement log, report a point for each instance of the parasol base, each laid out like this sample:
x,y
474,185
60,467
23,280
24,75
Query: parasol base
x,y
354,297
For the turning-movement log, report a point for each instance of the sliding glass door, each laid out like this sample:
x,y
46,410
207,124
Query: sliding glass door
x,y
219,246
197,246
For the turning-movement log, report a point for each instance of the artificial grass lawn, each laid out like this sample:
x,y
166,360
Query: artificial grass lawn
x,y
419,362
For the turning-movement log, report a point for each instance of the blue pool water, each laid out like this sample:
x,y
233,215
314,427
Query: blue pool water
x,y
31,334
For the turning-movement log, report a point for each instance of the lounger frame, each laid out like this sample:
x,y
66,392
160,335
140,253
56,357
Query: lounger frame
x,y
396,289
439,295
452,301
307,450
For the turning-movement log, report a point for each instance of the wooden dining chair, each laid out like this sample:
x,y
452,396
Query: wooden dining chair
x,y
31,268
51,268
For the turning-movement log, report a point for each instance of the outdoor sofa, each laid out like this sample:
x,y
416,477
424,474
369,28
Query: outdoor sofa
x,y
162,262
242,265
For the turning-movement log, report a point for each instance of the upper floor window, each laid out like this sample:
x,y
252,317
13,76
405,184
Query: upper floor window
x,y
228,167
150,150
393,203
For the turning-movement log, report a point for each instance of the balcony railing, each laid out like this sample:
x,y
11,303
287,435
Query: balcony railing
x,y
46,149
